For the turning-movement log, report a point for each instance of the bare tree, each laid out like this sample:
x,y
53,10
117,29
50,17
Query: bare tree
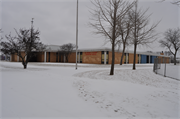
x,y
1,35
125,27
168,53
142,32
171,41
26,41
66,50
176,2
105,19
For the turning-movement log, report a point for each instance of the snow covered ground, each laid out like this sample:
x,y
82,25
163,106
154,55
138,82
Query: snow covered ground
x,y
58,91
170,70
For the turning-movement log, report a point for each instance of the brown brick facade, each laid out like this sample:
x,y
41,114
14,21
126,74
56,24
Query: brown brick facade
x,y
164,59
72,58
91,57
117,58
14,58
131,58
40,56
86,57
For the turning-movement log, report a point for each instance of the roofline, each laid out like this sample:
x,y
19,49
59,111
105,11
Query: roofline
x,y
108,49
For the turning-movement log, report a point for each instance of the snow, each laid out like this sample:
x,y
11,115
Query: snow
x,y
58,91
170,70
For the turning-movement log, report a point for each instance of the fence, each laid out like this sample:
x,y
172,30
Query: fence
x,y
163,67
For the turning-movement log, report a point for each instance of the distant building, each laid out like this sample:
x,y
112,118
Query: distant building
x,y
91,56
4,57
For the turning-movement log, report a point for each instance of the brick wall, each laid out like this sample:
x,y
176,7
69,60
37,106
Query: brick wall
x,y
117,58
40,56
91,57
131,58
14,58
162,59
53,57
72,57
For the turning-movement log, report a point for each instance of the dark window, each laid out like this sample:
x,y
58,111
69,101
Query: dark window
x,y
124,58
49,57
33,58
56,56
59,55
147,60
107,57
152,59
102,57
80,57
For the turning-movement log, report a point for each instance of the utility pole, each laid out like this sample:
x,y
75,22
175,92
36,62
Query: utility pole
x,y
32,27
31,36
76,33
32,22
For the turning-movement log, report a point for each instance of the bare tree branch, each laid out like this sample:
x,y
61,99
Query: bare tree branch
x,y
1,35
177,2
105,20
26,41
142,33
125,27
66,50
171,41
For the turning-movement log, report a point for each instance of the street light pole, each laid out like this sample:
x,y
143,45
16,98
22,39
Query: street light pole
x,y
76,33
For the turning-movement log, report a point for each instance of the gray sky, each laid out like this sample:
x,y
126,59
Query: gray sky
x,y
56,20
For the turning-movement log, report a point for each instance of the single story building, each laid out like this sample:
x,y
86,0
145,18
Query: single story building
x,y
92,56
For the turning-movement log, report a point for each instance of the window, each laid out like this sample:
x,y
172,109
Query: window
x,y
80,57
147,59
143,59
124,58
102,57
49,57
56,56
107,57
127,58
139,58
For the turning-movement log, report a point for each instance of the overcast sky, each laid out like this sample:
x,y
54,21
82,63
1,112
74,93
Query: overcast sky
x,y
56,20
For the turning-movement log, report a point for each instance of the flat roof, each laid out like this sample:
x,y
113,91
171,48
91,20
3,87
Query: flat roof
x,y
55,48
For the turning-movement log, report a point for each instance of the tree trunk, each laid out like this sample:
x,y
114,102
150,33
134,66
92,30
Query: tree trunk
x,y
24,63
112,63
122,55
175,59
25,66
134,60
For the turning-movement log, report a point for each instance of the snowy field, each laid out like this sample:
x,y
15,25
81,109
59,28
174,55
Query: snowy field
x,y
58,91
170,70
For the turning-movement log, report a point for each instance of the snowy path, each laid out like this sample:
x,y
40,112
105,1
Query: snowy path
x,y
52,91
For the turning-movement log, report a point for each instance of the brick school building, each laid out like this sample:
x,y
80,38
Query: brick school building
x,y
91,56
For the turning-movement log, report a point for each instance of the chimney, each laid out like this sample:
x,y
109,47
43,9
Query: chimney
x,y
162,53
